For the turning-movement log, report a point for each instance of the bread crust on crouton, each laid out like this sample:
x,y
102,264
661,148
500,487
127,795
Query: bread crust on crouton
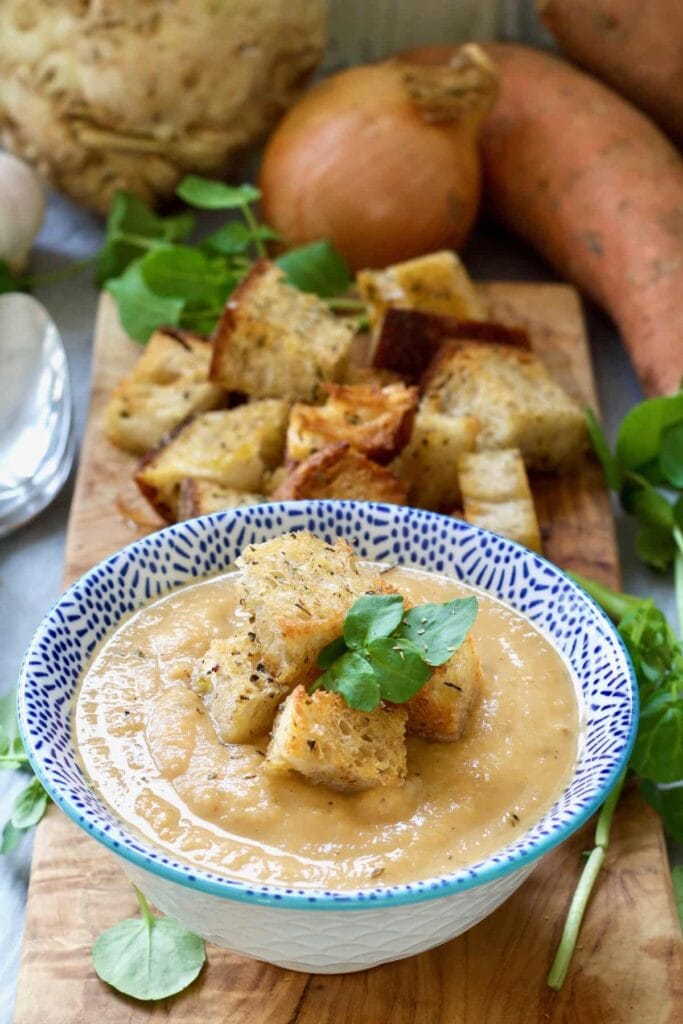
x,y
274,341
340,472
198,497
231,447
428,465
513,396
409,339
320,737
168,383
376,422
239,693
441,709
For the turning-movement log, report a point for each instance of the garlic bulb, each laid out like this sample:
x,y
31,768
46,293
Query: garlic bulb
x,y
22,204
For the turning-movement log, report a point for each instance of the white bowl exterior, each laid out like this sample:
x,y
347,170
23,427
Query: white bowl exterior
x,y
326,941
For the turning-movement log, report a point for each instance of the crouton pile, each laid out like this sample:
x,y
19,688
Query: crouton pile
x,y
449,415
295,591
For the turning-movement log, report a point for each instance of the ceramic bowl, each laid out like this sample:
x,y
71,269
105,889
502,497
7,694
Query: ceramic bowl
x,y
300,928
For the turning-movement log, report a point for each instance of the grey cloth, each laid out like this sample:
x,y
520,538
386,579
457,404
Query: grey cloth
x,y
31,560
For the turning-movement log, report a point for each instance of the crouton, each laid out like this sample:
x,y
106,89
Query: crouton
x,y
441,709
320,737
340,472
375,421
409,339
371,376
296,590
496,495
437,283
513,396
274,341
428,465
201,497
232,448
169,382
239,693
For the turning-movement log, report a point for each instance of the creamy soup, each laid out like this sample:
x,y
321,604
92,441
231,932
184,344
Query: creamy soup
x,y
152,754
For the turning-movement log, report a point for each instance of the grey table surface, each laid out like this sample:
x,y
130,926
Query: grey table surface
x,y
31,559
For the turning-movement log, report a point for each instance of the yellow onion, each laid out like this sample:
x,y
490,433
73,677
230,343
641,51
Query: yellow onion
x,y
382,159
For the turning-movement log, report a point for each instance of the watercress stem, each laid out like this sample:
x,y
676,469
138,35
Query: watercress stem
x,y
615,604
252,224
147,915
63,274
582,893
342,304
678,577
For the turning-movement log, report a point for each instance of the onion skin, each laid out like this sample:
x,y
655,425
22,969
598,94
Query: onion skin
x,y
360,162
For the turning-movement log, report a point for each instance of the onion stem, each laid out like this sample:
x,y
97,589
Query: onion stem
x,y
582,893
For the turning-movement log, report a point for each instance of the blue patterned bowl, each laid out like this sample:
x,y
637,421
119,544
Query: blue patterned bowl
x,y
302,929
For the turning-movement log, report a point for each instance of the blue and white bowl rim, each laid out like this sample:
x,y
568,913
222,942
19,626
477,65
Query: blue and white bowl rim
x,y
613,678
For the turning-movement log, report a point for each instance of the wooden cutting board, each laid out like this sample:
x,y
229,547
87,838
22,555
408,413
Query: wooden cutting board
x,y
627,969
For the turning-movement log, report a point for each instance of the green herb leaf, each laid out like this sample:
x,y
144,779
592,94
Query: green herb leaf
x,y
142,311
9,282
318,268
133,229
671,455
640,435
148,957
353,678
677,881
184,273
656,546
438,630
603,451
329,654
12,753
668,802
658,751
29,806
647,504
235,238
399,668
370,617
215,195
11,837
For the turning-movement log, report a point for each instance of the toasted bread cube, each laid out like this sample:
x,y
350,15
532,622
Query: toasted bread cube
x,y
496,495
320,737
371,376
168,383
375,421
437,283
428,465
409,339
296,590
240,694
231,447
274,341
340,472
513,396
201,497
441,709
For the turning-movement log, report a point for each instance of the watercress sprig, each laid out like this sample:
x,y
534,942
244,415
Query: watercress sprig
x,y
386,654
31,802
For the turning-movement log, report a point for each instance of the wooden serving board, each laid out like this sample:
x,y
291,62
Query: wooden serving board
x,y
627,969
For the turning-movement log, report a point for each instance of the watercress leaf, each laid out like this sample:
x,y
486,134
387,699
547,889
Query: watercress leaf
x,y
603,451
372,616
29,806
655,546
648,506
353,678
148,957
329,654
678,513
399,668
317,268
671,455
438,630
12,753
9,282
180,272
658,751
11,837
640,434
215,195
668,802
8,715
677,882
142,311
236,237
132,229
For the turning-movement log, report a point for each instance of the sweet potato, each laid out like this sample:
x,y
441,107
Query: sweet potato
x,y
633,45
596,187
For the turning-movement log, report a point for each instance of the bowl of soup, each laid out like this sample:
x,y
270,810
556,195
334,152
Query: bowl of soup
x,y
323,857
